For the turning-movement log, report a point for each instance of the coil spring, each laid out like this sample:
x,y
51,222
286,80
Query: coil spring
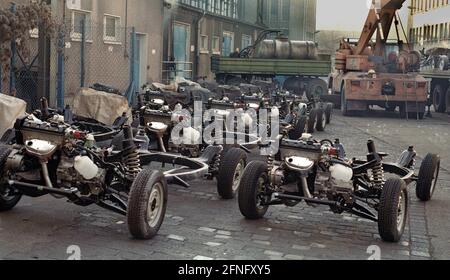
x,y
378,175
133,162
216,164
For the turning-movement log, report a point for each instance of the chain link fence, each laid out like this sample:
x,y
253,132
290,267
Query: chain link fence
x,y
81,54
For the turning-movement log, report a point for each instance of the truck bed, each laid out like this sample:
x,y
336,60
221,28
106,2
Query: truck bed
x,y
272,67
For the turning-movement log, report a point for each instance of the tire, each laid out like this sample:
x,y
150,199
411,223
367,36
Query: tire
x,y
321,120
344,105
5,139
7,201
439,98
312,120
299,128
393,210
254,175
329,112
230,174
428,176
316,89
149,189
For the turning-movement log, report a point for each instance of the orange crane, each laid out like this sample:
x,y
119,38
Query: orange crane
x,y
379,73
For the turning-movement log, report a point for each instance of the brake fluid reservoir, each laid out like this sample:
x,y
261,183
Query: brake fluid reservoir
x,y
341,173
85,167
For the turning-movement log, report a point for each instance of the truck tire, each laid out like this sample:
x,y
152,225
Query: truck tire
x,y
230,173
393,210
428,176
316,89
321,120
344,108
299,128
312,120
147,204
329,112
251,190
439,98
7,201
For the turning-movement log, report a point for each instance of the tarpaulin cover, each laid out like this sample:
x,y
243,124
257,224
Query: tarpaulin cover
x,y
100,106
11,109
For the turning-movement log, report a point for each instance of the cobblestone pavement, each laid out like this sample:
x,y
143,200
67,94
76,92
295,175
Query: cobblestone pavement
x,y
200,226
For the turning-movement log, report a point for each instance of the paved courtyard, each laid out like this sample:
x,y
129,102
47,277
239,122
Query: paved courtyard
x,y
198,225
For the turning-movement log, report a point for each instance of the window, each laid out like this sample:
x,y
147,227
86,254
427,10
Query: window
x,y
215,45
77,18
228,43
246,41
204,44
111,28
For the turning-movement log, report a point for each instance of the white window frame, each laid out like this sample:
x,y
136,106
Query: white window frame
x,y
202,48
112,40
217,49
75,36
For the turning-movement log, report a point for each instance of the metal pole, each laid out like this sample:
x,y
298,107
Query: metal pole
x,y
12,76
60,74
133,65
83,52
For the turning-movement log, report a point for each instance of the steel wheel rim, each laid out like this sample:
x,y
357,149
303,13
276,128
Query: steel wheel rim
x,y
401,211
5,195
238,175
155,205
434,180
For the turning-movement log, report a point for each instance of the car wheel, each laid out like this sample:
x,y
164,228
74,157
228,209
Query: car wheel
x,y
147,204
252,191
321,120
312,120
299,128
428,176
230,174
393,210
8,200
329,112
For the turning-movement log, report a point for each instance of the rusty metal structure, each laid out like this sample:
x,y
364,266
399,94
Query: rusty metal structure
x,y
380,73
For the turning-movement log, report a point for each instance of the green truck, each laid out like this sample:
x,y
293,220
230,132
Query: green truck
x,y
436,68
296,64
440,89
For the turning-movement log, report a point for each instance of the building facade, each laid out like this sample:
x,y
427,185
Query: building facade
x,y
194,30
106,56
429,23
295,18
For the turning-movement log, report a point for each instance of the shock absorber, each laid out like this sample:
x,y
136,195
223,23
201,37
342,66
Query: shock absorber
x,y
131,155
377,178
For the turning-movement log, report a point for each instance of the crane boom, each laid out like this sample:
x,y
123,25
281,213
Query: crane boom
x,y
380,19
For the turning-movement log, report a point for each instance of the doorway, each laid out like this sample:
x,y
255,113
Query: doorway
x,y
181,47
142,58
